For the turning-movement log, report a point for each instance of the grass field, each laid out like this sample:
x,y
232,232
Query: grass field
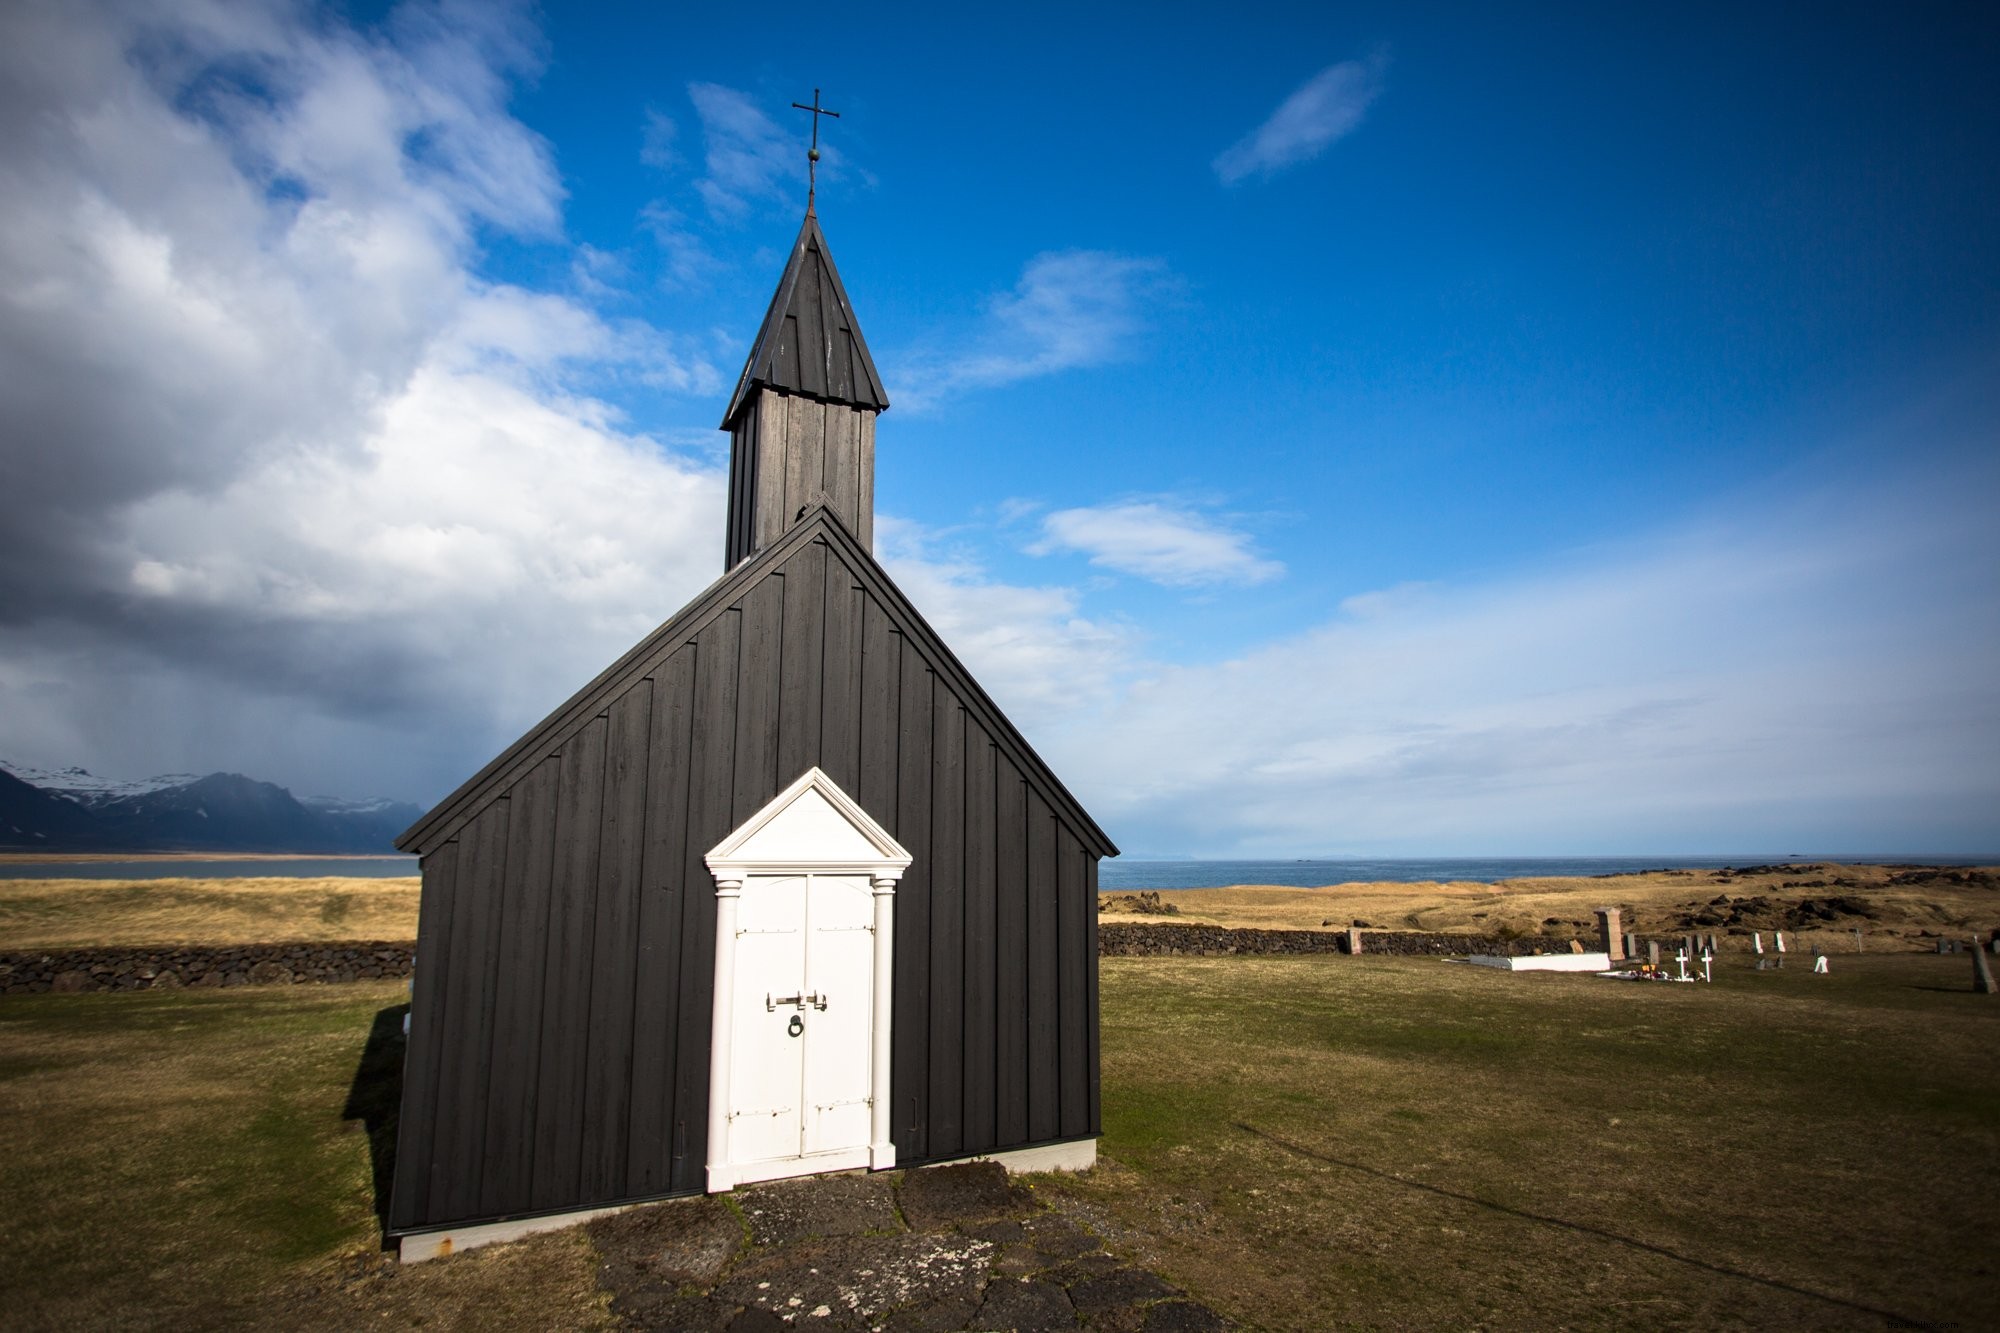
x,y
80,913
1305,1143
1819,903
1822,904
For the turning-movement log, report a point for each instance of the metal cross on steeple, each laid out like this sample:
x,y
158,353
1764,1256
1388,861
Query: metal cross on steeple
x,y
812,154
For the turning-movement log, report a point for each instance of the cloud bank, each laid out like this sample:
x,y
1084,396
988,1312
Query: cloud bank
x,y
280,462
1798,680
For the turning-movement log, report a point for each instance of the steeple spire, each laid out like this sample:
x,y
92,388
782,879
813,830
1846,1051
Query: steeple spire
x,y
802,419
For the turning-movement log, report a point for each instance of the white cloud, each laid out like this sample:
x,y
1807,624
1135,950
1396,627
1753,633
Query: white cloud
x,y
1169,544
274,450
1324,109
1031,648
1070,309
656,141
1784,680
747,156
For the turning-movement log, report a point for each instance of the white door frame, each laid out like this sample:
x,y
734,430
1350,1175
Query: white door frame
x,y
769,843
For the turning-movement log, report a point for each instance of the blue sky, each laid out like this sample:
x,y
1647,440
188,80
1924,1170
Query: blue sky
x,y
1392,430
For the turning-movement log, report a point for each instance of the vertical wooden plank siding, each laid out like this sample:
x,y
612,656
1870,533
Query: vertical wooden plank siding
x,y
843,476
517,1000
773,428
865,533
840,678
566,994
1044,1069
1090,979
1073,1000
756,763
801,675
947,927
710,796
656,994
805,457
910,1029
881,671
415,1129
1010,1057
980,943
468,1056
607,1103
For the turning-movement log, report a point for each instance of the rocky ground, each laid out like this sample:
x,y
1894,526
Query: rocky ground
x,y
943,1248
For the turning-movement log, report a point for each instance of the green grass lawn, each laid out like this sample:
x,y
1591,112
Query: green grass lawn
x,y
203,1159
1407,1143
1305,1143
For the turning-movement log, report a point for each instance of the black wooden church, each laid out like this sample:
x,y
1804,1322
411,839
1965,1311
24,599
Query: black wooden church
x,y
782,891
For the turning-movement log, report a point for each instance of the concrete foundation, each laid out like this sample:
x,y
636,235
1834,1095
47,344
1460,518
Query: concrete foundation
x,y
1079,1155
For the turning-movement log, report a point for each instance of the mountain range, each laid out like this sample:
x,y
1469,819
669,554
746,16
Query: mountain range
x,y
72,810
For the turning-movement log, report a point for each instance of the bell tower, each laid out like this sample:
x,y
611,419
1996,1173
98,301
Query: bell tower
x,y
802,420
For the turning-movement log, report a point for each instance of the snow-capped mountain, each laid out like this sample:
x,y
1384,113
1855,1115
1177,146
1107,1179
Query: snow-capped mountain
x,y
75,810
86,788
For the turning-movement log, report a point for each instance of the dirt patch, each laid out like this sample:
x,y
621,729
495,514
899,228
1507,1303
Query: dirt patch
x,y
926,1251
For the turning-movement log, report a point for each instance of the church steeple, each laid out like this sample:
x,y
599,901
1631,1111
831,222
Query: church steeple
x,y
802,419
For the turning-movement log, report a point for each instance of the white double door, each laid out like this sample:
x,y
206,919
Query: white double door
x,y
805,978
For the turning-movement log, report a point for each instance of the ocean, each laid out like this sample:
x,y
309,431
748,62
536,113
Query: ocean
x,y
1119,873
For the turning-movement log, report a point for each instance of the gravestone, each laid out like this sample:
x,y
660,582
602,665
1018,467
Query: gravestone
x,y
1631,945
1353,940
1607,929
1653,953
1943,946
1982,975
1779,937
1819,962
1757,941
1576,946
1857,940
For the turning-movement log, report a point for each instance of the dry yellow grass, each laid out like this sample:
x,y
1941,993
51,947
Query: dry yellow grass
x,y
1903,906
81,913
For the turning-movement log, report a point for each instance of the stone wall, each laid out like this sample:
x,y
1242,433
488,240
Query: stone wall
x,y
161,967
1129,939
164,966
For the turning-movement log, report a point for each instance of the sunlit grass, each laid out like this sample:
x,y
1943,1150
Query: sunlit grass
x,y
1325,1142
79,913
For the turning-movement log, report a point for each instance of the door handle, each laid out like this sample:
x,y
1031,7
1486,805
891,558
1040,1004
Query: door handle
x,y
814,998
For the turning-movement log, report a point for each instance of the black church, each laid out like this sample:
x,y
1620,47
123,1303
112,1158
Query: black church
x,y
780,892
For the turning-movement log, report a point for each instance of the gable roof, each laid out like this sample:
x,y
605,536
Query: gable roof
x,y
810,342
821,524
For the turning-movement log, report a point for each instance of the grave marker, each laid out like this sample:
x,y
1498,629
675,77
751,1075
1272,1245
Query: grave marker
x,y
1982,975
1607,928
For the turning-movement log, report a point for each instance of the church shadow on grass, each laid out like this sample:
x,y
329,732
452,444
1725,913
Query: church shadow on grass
x,y
374,1098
